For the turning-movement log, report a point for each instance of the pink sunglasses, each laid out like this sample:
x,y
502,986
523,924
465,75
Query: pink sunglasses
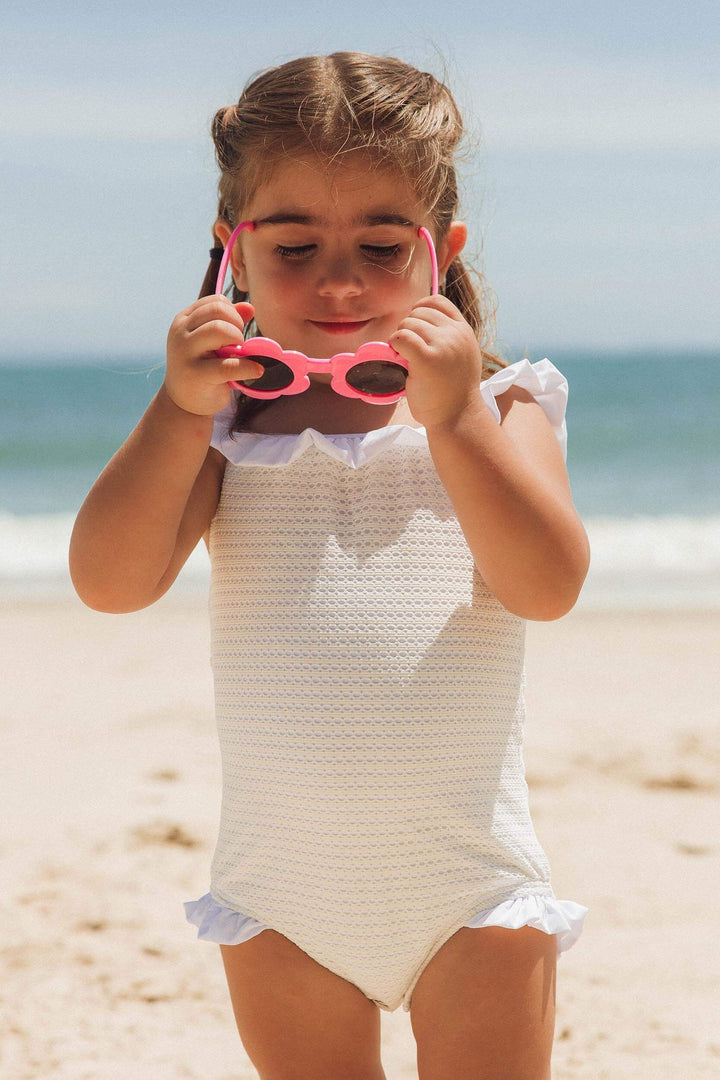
x,y
375,373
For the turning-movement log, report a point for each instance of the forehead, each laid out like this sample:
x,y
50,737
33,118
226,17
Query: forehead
x,y
349,191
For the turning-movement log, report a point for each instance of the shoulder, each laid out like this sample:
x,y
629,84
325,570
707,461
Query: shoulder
x,y
524,420
512,396
517,405
529,395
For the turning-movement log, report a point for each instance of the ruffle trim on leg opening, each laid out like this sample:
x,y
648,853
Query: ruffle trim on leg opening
x,y
220,924
564,918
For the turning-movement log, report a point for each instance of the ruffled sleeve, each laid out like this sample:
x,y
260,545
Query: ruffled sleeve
x,y
541,379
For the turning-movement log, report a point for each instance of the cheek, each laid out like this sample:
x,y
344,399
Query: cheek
x,y
274,282
404,290
278,307
416,289
399,286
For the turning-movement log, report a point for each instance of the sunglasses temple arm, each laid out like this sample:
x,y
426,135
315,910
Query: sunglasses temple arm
x,y
433,257
220,284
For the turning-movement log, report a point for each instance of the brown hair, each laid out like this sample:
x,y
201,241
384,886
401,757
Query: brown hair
x,y
333,105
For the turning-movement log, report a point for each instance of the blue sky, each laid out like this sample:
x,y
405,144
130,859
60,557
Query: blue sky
x,y
592,194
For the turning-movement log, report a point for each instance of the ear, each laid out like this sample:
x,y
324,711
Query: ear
x,y
451,245
223,231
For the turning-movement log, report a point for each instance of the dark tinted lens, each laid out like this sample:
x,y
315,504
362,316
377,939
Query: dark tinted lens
x,y
377,377
277,375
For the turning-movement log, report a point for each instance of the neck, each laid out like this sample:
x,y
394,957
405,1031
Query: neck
x,y
330,413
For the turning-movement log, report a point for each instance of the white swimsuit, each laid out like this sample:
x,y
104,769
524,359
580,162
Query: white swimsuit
x,y
369,696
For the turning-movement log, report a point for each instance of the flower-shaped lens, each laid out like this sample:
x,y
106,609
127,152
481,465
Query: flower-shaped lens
x,y
277,375
377,377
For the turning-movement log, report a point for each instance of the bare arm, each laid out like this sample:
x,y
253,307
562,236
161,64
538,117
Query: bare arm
x,y
510,491
147,511
157,496
507,482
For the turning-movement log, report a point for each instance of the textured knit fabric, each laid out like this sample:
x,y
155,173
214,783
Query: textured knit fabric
x,y
369,696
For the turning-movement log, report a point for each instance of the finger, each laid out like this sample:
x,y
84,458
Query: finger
x,y
245,311
220,368
424,324
436,310
235,369
408,344
428,332
211,336
203,302
213,331
441,303
216,309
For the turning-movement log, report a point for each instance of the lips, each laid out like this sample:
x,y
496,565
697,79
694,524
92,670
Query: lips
x,y
339,326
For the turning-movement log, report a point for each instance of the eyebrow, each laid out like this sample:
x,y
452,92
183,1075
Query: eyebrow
x,y
291,217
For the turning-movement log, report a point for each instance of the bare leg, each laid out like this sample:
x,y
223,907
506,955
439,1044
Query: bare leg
x,y
484,1007
297,1020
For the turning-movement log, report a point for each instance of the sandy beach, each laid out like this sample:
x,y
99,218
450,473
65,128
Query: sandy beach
x,y
110,802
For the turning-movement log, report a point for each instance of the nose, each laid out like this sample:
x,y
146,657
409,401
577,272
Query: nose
x,y
340,277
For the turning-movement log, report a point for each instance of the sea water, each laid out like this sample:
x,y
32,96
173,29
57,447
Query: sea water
x,y
643,457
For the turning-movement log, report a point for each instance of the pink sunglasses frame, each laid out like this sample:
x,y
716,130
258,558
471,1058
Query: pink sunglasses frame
x,y
300,365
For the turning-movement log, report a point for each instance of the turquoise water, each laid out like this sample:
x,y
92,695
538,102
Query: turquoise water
x,y
643,456
59,426
644,430
644,433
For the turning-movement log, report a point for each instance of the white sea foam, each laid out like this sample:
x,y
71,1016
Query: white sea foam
x,y
34,557
655,562
661,562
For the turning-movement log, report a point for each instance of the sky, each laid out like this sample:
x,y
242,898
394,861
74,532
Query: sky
x,y
590,183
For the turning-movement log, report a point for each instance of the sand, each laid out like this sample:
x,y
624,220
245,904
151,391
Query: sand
x,y
110,794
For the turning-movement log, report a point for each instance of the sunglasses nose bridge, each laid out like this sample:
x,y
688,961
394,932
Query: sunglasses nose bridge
x,y
319,366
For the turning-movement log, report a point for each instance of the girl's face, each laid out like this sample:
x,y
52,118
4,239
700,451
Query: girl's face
x,y
335,259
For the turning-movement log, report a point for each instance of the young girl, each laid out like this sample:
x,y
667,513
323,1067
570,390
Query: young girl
x,y
374,557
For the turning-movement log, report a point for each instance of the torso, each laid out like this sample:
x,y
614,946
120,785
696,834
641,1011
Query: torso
x,y
368,690
319,408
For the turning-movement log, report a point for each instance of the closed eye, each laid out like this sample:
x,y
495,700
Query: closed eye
x,y
303,251
380,252
377,252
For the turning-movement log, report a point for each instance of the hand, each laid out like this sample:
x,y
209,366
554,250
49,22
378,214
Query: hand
x,y
196,379
444,361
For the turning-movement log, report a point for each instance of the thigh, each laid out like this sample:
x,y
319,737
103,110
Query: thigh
x,y
484,1007
297,1020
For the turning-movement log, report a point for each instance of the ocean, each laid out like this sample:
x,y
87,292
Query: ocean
x,y
643,457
